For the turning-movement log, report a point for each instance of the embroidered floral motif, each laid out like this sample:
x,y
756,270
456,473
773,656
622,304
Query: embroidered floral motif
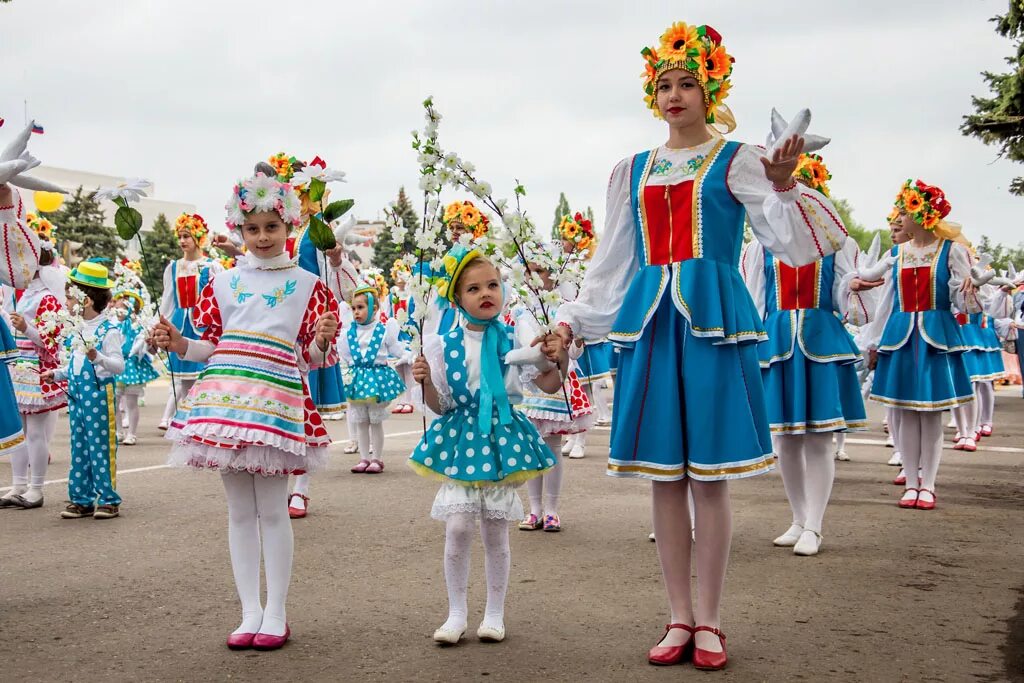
x,y
239,289
280,294
694,164
662,167
665,167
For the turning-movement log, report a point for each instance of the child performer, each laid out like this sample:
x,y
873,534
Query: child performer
x,y
15,273
250,416
403,305
808,365
480,447
550,415
984,365
184,278
374,383
665,285
915,342
138,363
90,374
39,401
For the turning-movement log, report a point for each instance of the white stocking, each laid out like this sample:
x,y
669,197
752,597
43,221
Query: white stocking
x,y
671,515
497,564
244,543
894,415
909,442
793,467
350,420
599,399
363,439
931,448
377,440
38,434
820,472
840,442
966,417
552,478
278,549
19,470
301,484
131,406
713,530
458,535
985,394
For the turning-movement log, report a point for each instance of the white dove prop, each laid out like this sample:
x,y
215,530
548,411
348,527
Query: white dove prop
x,y
15,160
874,250
981,274
873,268
782,131
343,232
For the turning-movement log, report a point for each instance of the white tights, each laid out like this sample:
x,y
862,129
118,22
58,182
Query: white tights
x,y
985,397
370,434
34,457
129,405
807,472
182,387
920,442
710,546
966,418
551,480
598,397
258,515
458,539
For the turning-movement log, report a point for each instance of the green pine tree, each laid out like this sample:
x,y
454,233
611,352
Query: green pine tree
x,y
80,221
999,120
385,251
160,246
860,234
561,210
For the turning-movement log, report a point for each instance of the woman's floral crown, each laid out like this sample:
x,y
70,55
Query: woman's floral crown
x,y
926,204
195,225
399,267
260,193
697,50
43,228
465,215
578,230
813,172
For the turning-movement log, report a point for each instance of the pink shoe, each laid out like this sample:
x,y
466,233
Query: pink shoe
x,y
986,430
361,466
264,642
375,467
240,641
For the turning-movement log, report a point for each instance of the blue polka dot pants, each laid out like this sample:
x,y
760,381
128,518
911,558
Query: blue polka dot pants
x,y
93,445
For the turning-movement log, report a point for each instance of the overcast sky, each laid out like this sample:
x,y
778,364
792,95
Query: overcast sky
x,y
190,94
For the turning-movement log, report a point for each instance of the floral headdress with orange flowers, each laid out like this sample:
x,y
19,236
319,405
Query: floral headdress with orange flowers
x,y
465,215
578,230
398,269
133,266
813,172
195,225
41,226
698,50
926,204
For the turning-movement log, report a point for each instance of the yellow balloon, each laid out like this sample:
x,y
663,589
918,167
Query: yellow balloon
x,y
47,201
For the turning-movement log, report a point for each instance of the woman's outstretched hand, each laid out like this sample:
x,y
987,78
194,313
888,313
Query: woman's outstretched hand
x,y
779,169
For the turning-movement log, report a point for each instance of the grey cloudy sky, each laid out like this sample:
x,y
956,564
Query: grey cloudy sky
x,y
191,93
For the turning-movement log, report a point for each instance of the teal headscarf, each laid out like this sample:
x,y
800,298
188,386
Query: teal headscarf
x,y
371,302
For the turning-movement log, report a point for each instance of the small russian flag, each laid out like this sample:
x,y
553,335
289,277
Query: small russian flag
x,y
37,129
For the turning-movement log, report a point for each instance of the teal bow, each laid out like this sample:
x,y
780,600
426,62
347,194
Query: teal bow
x,y
493,348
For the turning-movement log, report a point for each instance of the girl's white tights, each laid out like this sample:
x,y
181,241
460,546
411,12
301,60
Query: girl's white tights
x,y
258,516
920,442
544,491
807,471
370,434
182,387
130,404
710,546
966,418
458,540
33,458
985,397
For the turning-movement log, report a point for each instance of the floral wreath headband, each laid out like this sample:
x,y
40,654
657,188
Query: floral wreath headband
x,y
42,227
812,172
465,215
399,268
926,204
195,225
578,230
454,263
698,50
263,193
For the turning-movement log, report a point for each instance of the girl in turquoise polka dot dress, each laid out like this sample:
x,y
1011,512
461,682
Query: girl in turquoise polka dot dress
x,y
480,448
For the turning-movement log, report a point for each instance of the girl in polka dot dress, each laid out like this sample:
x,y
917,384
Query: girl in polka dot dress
x,y
479,448
138,363
371,384
249,415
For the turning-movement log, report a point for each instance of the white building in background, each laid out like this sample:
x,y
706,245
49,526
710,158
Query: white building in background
x,y
71,180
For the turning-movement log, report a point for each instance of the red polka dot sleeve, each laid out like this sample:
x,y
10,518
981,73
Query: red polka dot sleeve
x,y
51,346
206,315
321,302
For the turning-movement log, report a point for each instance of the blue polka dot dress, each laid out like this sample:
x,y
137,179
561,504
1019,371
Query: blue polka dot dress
x,y
138,367
479,467
369,378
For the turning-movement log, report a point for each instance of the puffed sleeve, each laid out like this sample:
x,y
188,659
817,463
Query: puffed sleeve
x,y
395,348
529,359
608,277
996,302
167,298
47,343
797,224
433,351
960,262
206,316
321,302
855,308
19,244
870,334
342,279
752,271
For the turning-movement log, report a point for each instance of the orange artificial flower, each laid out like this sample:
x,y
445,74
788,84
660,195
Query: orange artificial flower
x,y
677,40
717,64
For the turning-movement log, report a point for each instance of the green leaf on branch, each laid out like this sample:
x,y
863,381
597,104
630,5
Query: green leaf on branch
x,y
336,210
320,234
317,188
127,222
120,201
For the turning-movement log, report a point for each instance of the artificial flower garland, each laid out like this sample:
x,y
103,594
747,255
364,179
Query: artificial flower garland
x,y
697,50
924,203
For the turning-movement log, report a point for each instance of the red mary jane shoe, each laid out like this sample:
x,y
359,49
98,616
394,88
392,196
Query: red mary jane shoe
x,y
925,504
676,654
262,641
240,641
707,660
298,513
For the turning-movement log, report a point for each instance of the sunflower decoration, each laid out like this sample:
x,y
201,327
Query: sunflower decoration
x,y
812,172
465,216
399,269
381,284
227,262
285,165
697,50
133,266
42,226
578,230
195,225
926,204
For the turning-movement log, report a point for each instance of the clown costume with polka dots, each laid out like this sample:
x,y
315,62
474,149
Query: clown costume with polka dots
x,y
371,384
480,448
249,415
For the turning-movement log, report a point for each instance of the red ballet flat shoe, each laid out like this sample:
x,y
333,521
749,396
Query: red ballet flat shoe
x,y
925,504
908,503
959,445
240,641
900,480
675,654
361,466
262,641
706,660
298,513
986,430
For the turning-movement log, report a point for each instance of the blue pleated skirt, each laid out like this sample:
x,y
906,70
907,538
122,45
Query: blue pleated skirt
x,y
327,390
807,396
918,376
597,362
